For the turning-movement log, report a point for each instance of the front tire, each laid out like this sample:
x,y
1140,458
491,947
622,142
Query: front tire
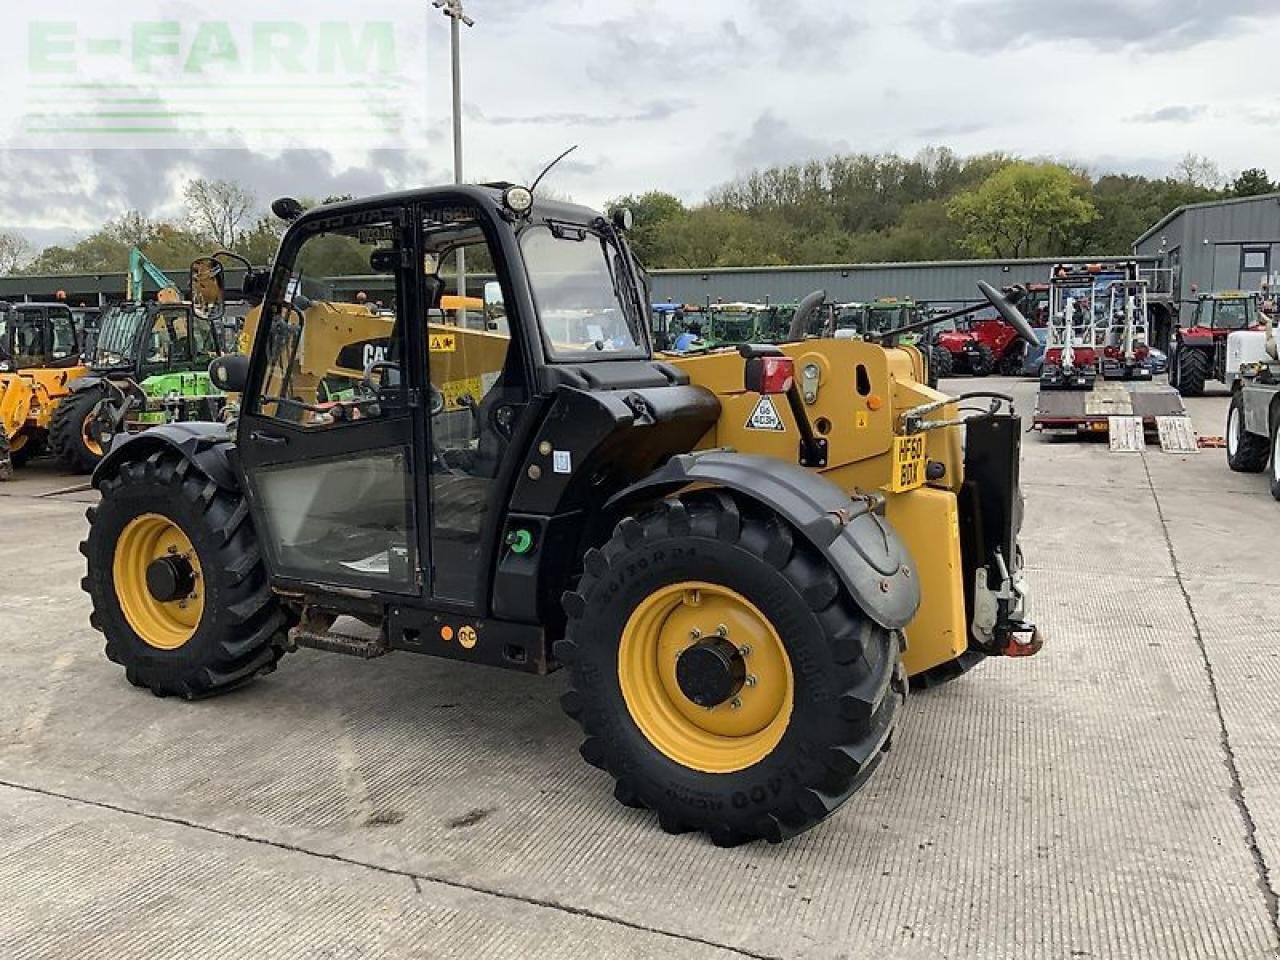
x,y
1246,452
822,681
983,363
163,525
71,434
941,365
1275,455
1193,371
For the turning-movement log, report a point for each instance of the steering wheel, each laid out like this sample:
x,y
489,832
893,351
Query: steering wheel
x,y
377,365
1004,304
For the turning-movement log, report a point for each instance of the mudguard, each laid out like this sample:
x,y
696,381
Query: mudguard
x,y
82,384
870,559
206,445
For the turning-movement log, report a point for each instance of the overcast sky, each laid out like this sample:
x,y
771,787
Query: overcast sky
x,y
682,95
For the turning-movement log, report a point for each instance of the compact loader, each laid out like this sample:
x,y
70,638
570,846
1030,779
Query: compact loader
x,y
738,558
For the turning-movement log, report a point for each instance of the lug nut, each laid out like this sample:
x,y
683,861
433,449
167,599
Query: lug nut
x,y
745,651
722,631
751,680
736,703
695,634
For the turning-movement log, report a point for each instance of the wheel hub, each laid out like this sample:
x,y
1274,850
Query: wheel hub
x,y
170,578
712,672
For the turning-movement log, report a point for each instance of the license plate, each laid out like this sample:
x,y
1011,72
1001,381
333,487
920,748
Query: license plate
x,y
908,464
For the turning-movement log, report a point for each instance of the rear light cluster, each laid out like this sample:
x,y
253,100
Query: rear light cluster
x,y
770,375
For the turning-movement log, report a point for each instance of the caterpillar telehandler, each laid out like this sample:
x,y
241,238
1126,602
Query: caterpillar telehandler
x,y
738,557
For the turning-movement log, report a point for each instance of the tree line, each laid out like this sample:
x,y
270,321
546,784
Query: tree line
x,y
857,208
866,208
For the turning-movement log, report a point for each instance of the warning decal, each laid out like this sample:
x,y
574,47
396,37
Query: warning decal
x,y
766,417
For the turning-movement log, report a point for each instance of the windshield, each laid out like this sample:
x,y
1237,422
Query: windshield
x,y
1234,314
734,326
587,306
118,334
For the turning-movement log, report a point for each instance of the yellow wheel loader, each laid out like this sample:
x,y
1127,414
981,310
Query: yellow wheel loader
x,y
738,559
40,355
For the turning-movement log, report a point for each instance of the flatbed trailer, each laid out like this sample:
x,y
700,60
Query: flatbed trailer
x,y
1125,411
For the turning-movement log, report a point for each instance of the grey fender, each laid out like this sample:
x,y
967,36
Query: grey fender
x,y
204,445
87,382
867,555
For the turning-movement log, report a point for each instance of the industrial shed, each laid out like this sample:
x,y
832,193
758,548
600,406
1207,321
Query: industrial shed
x,y
1220,245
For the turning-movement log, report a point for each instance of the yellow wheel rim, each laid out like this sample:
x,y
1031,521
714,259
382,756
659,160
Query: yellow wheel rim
x,y
163,625
17,442
86,434
734,735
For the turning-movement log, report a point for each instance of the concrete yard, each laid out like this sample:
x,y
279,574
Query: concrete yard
x,y
1117,796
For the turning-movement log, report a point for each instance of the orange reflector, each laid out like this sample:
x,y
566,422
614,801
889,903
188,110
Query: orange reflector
x,y
446,634
875,402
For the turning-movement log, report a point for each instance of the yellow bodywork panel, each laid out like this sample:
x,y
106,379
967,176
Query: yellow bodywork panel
x,y
28,398
855,394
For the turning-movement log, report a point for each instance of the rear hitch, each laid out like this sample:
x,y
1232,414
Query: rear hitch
x,y
1018,639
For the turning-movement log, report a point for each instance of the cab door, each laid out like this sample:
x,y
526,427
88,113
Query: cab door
x,y
332,409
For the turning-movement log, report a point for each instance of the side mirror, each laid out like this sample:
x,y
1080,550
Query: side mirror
x,y
208,289
230,374
256,283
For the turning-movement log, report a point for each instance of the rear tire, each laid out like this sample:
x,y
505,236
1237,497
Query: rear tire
x,y
1013,361
240,629
845,687
1193,371
6,458
68,430
1246,452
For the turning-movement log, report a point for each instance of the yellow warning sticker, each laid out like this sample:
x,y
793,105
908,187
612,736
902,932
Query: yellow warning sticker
x,y
455,390
444,343
861,420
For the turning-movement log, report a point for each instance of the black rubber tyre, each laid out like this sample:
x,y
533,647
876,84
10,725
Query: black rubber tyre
x,y
1246,452
1274,465
243,629
1013,361
6,458
1193,371
37,444
941,365
66,430
848,675
984,364
945,673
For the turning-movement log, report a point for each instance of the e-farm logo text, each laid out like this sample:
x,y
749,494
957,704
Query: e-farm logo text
x,y
142,80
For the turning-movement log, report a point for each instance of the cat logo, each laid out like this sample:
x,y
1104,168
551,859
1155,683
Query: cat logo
x,y
467,638
766,417
374,354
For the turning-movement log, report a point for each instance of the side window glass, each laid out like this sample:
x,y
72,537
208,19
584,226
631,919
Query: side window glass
x,y
478,390
63,328
334,356
204,340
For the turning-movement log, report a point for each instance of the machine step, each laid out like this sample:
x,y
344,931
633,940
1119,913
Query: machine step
x,y
1127,435
362,648
1177,435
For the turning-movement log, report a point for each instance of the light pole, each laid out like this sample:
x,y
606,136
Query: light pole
x,y
453,10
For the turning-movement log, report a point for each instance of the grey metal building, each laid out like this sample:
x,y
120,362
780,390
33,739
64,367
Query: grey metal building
x,y
1220,245
939,282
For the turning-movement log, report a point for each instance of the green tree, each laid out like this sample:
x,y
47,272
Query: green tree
x,y
651,212
1023,210
1253,182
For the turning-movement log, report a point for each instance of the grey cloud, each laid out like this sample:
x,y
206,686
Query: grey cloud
x,y
65,192
943,130
807,36
1173,114
1166,25
655,110
773,140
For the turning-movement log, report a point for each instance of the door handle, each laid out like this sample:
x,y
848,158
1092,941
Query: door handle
x,y
270,439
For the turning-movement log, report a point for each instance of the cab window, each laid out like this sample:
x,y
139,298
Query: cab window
x,y
332,356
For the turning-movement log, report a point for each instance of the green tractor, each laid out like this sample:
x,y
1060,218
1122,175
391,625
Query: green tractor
x,y
149,366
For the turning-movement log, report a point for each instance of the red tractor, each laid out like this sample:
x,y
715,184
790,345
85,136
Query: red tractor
x,y
1200,351
982,347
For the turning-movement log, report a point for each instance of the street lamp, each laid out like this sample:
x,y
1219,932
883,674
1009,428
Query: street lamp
x,y
453,10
